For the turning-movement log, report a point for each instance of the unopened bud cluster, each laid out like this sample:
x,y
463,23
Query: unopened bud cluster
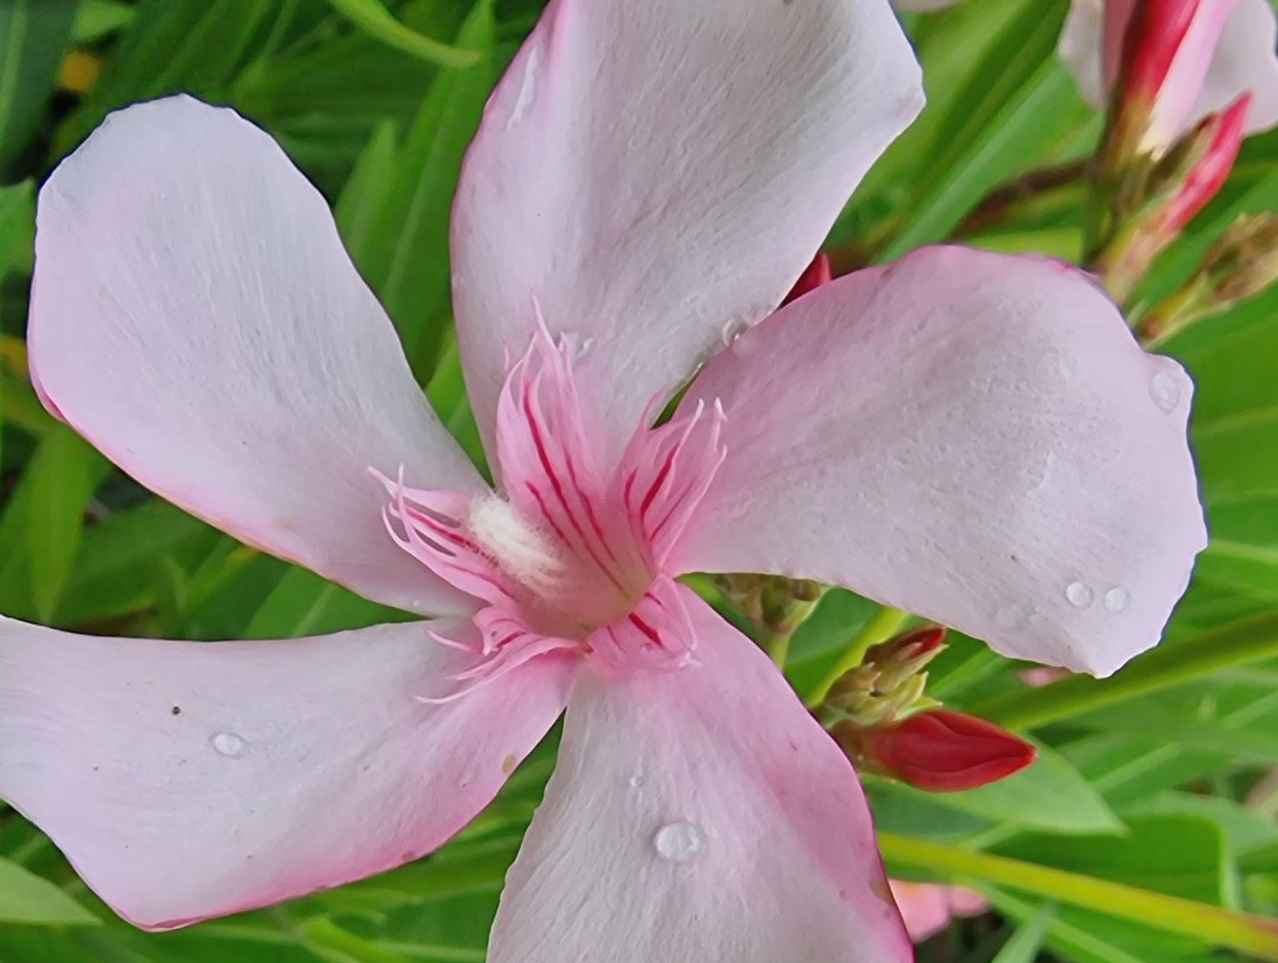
x,y
776,605
880,716
1242,263
1151,176
889,683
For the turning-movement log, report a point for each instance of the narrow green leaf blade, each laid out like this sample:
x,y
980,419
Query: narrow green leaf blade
x,y
28,898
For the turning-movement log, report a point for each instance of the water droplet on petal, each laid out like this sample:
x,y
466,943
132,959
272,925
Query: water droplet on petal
x,y
636,781
1012,616
1117,599
1080,594
575,345
1165,390
527,89
229,744
1039,475
680,842
733,330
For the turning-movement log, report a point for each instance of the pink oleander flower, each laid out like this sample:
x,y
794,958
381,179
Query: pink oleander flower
x,y
928,908
1192,58
975,437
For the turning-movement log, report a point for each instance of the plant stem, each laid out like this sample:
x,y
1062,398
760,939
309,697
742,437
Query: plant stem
x,y
995,206
1234,644
885,623
777,645
1172,914
374,19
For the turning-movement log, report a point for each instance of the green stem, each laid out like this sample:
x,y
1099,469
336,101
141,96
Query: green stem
x,y
371,17
884,624
1235,644
777,645
1172,914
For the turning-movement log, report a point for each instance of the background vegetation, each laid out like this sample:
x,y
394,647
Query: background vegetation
x,y
1161,780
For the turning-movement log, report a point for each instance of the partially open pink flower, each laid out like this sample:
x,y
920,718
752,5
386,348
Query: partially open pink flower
x,y
928,908
975,437
1201,55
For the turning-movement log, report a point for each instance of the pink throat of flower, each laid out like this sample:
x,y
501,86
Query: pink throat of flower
x,y
570,557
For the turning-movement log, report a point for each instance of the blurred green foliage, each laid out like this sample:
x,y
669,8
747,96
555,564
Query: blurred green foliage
x,y
1170,790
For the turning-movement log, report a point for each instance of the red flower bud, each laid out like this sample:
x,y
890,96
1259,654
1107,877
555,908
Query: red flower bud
x,y
1209,174
1149,39
814,275
914,648
1164,49
944,751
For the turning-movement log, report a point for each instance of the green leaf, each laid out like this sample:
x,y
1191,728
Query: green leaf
x,y
116,571
17,226
33,37
364,196
373,18
1050,794
94,19
403,249
62,478
1014,108
1023,945
1179,854
28,898
303,603
171,46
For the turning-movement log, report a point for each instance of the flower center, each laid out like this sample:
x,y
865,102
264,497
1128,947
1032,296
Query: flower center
x,y
570,555
565,587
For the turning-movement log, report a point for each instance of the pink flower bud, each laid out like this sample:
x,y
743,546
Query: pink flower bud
x,y
914,648
944,751
1227,130
1159,52
814,275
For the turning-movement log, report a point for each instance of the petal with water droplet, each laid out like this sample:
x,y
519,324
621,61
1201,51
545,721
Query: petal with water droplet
x,y
746,803
291,766
859,453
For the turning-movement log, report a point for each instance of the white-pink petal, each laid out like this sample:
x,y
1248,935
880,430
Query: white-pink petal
x,y
973,437
1244,58
186,780
654,176
195,316
698,816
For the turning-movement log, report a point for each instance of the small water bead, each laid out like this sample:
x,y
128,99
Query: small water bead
x,y
1165,390
1080,594
1117,599
1012,616
680,842
527,89
636,781
733,330
229,744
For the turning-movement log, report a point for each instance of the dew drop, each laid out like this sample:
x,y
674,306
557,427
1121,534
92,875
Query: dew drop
x,y
1117,599
1012,616
1039,475
1165,390
680,842
527,89
636,781
229,744
1080,594
574,345
733,330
